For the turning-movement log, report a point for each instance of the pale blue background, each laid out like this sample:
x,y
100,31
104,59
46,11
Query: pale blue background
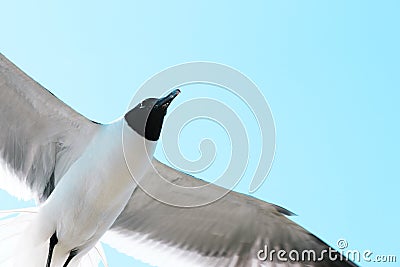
x,y
329,70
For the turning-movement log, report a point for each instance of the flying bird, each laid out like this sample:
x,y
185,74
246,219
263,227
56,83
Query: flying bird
x,y
76,171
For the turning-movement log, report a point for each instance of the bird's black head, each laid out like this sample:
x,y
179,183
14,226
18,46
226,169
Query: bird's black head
x,y
148,116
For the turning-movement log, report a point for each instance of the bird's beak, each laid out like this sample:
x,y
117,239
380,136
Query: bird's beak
x,y
165,101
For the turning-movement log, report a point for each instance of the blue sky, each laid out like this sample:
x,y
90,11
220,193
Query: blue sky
x,y
328,69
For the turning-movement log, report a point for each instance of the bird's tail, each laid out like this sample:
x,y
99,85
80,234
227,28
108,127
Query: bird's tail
x,y
13,226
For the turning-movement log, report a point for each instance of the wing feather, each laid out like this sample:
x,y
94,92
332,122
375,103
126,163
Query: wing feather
x,y
40,136
228,232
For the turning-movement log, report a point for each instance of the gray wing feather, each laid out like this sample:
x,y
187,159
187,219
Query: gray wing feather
x,y
40,136
228,232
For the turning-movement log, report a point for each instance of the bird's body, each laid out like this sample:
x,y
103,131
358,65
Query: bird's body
x,y
92,193
83,176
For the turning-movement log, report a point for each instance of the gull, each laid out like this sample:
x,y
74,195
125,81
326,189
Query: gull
x,y
87,193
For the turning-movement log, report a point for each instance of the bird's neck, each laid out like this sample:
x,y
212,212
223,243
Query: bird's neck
x,y
138,151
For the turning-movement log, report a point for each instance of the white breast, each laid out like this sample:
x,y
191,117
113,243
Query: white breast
x,y
97,187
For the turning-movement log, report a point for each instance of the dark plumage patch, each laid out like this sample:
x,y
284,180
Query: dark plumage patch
x,y
48,188
284,211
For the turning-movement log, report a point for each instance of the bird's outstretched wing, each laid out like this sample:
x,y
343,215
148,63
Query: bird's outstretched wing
x,y
40,136
228,232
